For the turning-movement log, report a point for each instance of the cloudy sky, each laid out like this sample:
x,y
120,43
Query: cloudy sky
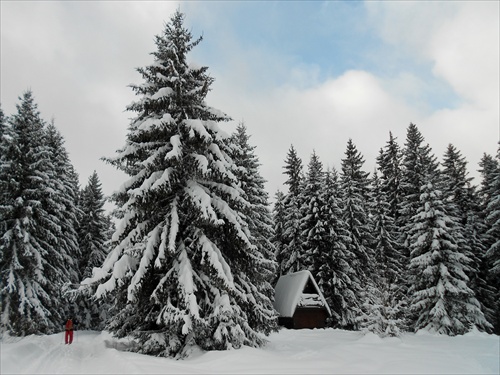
x,y
309,74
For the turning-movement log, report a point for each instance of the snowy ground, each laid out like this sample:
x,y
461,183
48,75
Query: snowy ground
x,y
288,352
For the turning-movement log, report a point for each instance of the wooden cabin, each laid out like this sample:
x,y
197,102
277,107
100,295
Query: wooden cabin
x,y
299,302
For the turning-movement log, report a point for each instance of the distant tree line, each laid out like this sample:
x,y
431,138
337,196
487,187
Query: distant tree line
x,y
415,245
197,249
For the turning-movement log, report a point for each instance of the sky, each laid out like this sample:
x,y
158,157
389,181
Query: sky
x,y
300,351
310,74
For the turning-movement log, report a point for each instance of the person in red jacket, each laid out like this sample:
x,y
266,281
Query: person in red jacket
x,y
69,327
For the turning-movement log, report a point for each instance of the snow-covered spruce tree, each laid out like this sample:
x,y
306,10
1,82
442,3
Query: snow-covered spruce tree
x,y
456,183
32,264
385,307
62,206
278,239
292,250
480,281
463,203
337,279
4,130
389,166
492,236
354,184
257,212
440,297
183,266
93,229
418,160
93,236
4,142
313,217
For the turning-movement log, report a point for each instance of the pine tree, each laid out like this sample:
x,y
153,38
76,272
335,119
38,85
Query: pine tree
x,y
292,248
440,298
4,143
336,277
4,130
313,217
456,183
354,187
493,236
385,307
463,204
278,239
93,238
389,166
418,162
93,230
257,212
33,266
184,262
293,169
62,206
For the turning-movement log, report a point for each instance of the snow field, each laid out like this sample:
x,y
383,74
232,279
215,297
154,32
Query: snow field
x,y
288,352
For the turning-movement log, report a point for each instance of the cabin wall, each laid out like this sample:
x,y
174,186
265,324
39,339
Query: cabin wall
x,y
309,317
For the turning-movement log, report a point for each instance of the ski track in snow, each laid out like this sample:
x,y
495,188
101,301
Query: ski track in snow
x,y
289,351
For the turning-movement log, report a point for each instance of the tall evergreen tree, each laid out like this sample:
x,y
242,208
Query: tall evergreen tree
x,y
488,168
313,221
389,165
336,277
61,204
418,161
93,230
293,169
32,264
355,190
257,212
3,132
440,297
493,237
93,237
462,202
292,249
385,307
4,142
184,269
64,181
278,239
456,183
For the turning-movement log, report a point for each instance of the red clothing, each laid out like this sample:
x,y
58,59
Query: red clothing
x,y
69,331
69,337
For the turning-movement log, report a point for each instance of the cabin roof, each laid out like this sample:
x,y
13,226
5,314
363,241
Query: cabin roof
x,y
288,292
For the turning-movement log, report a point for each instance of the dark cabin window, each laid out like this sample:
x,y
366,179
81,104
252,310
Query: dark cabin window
x,y
309,288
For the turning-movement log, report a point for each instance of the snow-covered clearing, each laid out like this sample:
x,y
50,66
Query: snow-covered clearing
x,y
288,352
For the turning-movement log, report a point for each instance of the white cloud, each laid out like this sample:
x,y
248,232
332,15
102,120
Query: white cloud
x,y
78,58
465,51
461,40
458,40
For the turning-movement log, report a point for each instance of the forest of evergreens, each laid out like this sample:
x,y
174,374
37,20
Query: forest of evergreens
x,y
197,247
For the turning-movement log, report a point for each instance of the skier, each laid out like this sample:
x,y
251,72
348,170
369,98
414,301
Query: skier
x,y
69,326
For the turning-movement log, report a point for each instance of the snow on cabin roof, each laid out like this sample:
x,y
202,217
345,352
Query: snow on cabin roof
x,y
288,292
